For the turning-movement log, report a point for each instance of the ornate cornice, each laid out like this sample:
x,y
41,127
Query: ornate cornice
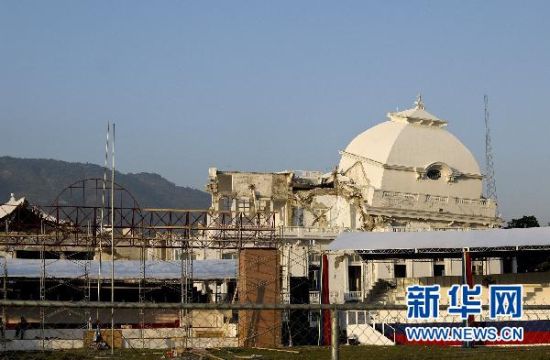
x,y
419,171
430,215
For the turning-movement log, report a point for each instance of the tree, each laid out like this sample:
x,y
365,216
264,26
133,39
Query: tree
x,y
527,221
536,262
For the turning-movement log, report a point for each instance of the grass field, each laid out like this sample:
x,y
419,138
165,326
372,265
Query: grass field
x,y
313,353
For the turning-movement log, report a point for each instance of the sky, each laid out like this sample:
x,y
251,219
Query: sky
x,y
273,85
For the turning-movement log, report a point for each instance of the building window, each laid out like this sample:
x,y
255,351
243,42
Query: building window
x,y
508,265
243,205
226,203
313,319
433,174
263,205
354,278
315,258
439,270
477,267
400,271
361,317
352,317
357,317
230,255
297,216
314,276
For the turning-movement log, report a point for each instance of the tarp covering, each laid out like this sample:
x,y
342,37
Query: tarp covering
x,y
124,269
481,239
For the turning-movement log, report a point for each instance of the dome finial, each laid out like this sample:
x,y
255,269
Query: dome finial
x,y
419,104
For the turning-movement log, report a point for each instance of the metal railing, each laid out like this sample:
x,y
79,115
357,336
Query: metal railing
x,y
314,297
384,322
310,232
353,296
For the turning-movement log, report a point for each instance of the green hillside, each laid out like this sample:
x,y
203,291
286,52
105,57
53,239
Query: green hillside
x,y
41,180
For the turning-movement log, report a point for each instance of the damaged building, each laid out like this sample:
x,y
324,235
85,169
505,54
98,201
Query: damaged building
x,y
408,173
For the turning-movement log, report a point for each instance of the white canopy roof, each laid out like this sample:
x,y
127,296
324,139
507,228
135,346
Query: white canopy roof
x,y
9,207
124,269
443,241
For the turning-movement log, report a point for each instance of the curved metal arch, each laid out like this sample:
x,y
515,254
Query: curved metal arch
x,y
94,185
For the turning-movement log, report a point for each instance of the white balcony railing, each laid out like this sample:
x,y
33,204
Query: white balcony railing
x,y
433,203
310,232
409,229
314,297
353,296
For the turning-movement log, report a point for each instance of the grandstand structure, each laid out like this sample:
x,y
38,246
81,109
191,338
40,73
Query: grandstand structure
x,y
368,326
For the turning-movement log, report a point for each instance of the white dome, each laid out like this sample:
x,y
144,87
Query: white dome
x,y
404,144
412,153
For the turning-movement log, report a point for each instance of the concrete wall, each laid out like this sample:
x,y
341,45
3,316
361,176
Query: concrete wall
x,y
131,338
36,345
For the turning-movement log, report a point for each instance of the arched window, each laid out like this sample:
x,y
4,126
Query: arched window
x,y
433,174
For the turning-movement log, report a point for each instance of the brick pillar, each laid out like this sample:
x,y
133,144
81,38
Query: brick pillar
x,y
259,283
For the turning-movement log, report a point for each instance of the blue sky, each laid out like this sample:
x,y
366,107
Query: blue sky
x,y
257,85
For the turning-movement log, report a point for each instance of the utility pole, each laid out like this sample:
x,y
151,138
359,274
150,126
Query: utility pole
x,y
113,242
101,218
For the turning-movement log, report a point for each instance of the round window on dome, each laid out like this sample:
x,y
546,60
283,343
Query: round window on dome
x,y
433,174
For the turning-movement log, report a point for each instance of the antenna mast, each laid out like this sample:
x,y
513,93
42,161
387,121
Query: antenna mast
x,y
490,185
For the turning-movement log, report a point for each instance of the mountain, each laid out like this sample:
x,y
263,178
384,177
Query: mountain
x,y
41,180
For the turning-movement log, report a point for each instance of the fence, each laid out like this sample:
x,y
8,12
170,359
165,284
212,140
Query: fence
x,y
173,328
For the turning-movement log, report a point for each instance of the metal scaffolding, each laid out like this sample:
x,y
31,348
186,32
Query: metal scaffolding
x,y
90,219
